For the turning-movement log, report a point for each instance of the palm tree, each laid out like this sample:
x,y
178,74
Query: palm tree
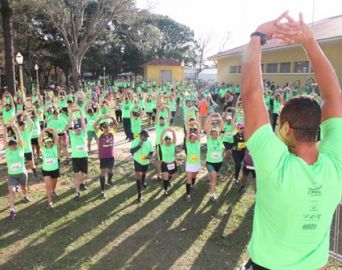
x,y
6,14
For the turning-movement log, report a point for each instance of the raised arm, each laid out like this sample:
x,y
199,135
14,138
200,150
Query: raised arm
x,y
5,137
17,135
174,137
252,96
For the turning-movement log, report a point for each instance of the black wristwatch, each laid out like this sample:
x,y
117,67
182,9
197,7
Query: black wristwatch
x,y
262,37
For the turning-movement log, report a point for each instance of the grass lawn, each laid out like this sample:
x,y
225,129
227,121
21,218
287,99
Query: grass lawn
x,y
117,233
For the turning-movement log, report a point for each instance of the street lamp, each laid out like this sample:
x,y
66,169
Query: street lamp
x,y
20,59
104,76
36,67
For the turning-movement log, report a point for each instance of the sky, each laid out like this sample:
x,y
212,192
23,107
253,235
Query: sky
x,y
228,24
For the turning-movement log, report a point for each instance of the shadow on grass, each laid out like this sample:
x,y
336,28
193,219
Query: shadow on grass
x,y
159,244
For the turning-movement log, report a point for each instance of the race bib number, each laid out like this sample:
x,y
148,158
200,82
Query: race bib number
x,y
80,148
194,157
34,132
241,145
171,166
15,166
51,161
229,134
215,155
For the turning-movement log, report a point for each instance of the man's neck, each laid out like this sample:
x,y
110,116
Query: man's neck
x,y
306,151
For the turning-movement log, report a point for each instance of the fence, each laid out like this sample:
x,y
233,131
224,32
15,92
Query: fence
x,y
335,235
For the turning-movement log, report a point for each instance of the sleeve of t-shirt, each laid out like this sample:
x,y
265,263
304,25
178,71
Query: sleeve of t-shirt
x,y
331,133
266,150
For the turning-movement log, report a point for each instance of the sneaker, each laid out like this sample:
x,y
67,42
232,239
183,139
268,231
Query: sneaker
x,y
242,189
83,187
188,199
144,184
26,199
50,205
77,195
110,183
237,183
103,194
55,194
213,198
166,193
13,214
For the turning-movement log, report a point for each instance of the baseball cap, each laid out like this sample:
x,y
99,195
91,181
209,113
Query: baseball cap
x,y
240,126
21,123
48,139
144,133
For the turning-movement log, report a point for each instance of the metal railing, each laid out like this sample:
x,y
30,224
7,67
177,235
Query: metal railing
x,y
336,236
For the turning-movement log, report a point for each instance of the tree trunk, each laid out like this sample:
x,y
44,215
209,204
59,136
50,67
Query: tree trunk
x,y
76,63
6,14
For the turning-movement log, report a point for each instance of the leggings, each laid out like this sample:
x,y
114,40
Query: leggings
x,y
118,114
238,157
274,120
127,127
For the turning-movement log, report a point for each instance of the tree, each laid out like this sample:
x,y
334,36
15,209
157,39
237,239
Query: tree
x,y
81,22
6,14
203,43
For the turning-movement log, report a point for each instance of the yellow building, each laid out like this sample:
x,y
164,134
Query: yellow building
x,y
289,63
162,70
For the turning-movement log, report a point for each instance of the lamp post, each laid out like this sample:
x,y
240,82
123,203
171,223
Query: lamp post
x,y
20,59
36,68
104,76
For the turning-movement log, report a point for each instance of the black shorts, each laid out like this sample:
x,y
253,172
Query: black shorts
x,y
149,114
173,114
228,146
154,111
28,156
107,163
80,165
165,167
247,171
140,168
216,166
52,174
34,141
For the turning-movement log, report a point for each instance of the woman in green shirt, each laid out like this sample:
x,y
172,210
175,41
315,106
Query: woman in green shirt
x,y
48,142
277,104
215,131
17,174
193,159
168,151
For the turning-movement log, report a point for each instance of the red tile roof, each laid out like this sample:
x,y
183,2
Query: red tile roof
x,y
163,62
323,30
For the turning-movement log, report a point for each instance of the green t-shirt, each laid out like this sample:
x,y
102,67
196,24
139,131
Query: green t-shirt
x,y
222,92
136,125
214,150
35,128
58,124
228,133
276,106
148,107
50,158
295,201
8,115
168,152
189,113
172,105
26,136
91,119
126,109
267,100
15,161
78,144
240,118
159,130
62,103
141,155
193,152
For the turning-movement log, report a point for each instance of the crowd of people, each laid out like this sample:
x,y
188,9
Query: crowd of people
x,y
59,126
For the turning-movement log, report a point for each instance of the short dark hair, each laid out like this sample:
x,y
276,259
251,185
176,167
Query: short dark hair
x,y
304,116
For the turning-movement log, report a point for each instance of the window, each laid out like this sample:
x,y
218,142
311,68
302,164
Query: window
x,y
272,68
301,67
285,67
235,69
262,67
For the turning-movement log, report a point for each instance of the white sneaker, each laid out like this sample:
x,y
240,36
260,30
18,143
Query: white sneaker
x,y
213,197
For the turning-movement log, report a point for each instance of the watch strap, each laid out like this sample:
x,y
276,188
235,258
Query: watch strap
x,y
262,37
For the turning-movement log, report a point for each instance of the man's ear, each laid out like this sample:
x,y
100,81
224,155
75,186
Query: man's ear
x,y
286,128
